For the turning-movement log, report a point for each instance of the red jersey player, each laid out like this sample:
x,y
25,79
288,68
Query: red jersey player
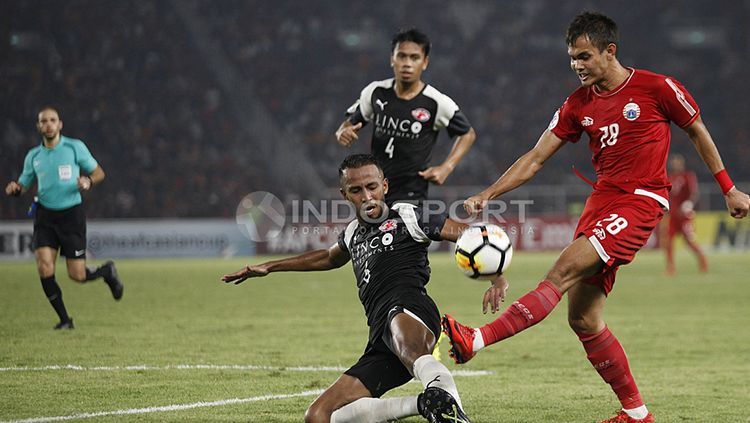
x,y
682,199
626,114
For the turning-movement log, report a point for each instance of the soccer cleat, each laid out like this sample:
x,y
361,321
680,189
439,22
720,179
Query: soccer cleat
x,y
438,406
461,337
622,417
110,277
64,325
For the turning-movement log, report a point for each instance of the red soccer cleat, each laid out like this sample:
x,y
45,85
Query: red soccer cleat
x,y
461,337
622,417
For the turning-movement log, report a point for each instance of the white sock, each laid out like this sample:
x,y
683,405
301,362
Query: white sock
x,y
376,410
430,371
637,413
478,340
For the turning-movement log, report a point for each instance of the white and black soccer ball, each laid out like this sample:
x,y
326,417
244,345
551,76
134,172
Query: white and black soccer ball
x,y
483,251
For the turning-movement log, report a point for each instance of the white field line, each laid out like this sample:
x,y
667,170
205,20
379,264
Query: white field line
x,y
142,367
179,407
173,407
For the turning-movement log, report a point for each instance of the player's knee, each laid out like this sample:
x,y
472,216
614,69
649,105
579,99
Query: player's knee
x,y
77,276
562,275
316,414
45,269
584,324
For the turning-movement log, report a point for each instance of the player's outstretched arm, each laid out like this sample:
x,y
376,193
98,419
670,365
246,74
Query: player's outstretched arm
x,y
14,189
452,230
348,133
518,173
316,260
462,145
738,203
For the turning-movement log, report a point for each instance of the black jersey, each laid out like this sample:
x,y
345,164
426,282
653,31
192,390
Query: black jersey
x,y
405,132
390,257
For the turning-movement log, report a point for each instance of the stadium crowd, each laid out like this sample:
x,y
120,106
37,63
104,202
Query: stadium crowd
x,y
130,82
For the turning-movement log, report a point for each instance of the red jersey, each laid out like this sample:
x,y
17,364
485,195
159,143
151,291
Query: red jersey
x,y
628,130
684,188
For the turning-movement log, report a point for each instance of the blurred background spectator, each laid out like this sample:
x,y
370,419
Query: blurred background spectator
x,y
191,104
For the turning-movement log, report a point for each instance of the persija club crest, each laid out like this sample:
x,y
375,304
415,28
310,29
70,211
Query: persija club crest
x,y
420,114
388,225
631,111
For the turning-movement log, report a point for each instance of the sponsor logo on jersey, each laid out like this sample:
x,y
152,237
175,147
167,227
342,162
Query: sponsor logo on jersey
x,y
389,126
631,111
388,225
587,121
599,232
554,120
381,104
420,114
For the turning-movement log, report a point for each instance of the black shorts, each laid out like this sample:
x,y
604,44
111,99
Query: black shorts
x,y
63,229
379,369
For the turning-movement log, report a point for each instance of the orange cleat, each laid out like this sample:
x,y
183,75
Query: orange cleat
x,y
461,337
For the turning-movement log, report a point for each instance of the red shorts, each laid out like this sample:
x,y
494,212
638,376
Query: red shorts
x,y
618,225
681,225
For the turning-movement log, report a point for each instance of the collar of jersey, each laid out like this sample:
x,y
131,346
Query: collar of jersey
x,y
619,87
383,218
395,94
62,140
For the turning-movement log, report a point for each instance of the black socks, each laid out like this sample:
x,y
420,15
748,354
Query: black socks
x,y
54,295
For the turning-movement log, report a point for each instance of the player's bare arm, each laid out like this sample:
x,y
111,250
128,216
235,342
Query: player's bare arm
x,y
348,133
316,260
85,182
462,145
495,294
518,173
737,201
14,189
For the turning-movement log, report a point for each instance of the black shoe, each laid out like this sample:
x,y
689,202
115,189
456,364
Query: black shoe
x,y
438,406
64,325
110,277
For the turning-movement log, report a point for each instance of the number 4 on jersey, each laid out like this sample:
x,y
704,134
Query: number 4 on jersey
x,y
389,148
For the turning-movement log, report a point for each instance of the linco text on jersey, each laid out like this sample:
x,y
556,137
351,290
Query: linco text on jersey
x,y
394,127
376,245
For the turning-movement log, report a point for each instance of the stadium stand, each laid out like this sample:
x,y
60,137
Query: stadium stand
x,y
131,83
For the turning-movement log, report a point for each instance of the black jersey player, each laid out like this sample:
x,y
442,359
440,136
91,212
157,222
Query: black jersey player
x,y
388,249
407,115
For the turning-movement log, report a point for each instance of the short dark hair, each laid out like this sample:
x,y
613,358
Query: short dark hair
x,y
50,107
600,29
414,35
355,161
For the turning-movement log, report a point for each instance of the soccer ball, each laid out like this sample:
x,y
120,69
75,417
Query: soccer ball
x,y
483,251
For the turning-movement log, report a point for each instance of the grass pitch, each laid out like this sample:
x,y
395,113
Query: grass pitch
x,y
182,346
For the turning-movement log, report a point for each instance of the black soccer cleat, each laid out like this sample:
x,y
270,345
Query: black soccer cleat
x,y
68,324
111,278
438,406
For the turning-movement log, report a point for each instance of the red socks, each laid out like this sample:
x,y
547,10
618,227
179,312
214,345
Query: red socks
x,y
602,349
608,358
529,310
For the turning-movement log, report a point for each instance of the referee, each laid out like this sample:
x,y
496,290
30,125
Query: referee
x,y
62,167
